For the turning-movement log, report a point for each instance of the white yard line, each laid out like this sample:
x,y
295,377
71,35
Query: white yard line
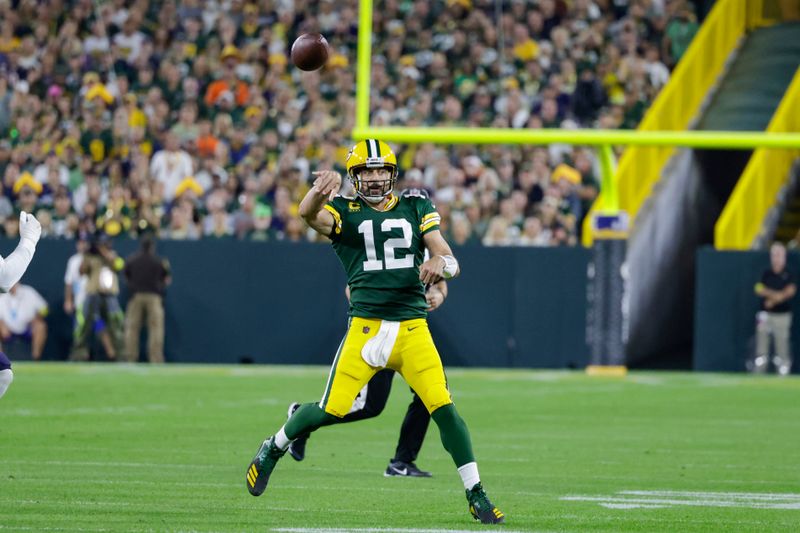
x,y
732,495
687,503
644,499
631,506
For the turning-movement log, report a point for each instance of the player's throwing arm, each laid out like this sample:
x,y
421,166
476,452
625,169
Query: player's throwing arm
x,y
326,185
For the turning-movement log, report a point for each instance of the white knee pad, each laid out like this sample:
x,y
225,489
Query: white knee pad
x,y
6,377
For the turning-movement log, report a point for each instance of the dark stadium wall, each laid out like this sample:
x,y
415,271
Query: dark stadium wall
x,y
284,303
660,261
726,307
678,219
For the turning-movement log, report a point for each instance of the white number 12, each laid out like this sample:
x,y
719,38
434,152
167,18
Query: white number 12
x,y
373,263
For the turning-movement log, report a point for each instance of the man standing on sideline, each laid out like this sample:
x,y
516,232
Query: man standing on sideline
x,y
100,266
75,293
147,276
11,270
776,289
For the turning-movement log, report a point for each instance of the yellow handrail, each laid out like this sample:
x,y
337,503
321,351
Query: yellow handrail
x,y
766,172
640,167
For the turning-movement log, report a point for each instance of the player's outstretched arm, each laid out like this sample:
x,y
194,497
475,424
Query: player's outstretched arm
x,y
312,205
442,264
13,267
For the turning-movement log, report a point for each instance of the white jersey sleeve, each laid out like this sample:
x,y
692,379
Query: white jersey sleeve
x,y
13,267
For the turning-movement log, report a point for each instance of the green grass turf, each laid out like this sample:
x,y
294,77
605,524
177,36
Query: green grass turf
x,y
139,448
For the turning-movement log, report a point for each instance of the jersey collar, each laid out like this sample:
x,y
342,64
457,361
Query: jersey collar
x,y
393,199
391,203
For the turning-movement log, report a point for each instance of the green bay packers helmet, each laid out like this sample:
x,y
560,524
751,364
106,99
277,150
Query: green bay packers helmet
x,y
369,154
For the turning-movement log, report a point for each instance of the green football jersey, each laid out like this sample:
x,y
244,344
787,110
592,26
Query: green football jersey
x,y
381,252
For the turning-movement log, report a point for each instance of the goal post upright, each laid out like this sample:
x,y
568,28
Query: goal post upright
x,y
363,65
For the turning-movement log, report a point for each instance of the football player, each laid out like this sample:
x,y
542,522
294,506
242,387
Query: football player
x,y
380,239
371,401
11,270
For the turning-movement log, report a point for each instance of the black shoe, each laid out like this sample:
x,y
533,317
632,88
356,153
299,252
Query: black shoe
x,y
262,466
399,468
481,508
297,449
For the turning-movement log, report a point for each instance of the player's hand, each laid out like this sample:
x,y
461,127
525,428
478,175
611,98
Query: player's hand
x,y
431,270
69,307
29,227
328,183
434,298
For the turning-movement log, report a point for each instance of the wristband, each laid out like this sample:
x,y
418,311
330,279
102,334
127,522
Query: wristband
x,y
450,266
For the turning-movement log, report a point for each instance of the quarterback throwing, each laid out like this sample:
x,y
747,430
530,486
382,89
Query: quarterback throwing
x,y
380,239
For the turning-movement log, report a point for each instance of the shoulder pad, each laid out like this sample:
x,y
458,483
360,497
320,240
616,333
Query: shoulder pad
x,y
414,193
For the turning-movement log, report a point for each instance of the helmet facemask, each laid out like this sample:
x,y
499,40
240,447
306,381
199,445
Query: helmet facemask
x,y
374,190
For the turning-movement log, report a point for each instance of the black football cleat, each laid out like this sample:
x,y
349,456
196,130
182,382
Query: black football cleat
x,y
297,449
262,466
481,508
401,469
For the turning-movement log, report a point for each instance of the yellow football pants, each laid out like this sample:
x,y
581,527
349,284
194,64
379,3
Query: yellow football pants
x,y
414,356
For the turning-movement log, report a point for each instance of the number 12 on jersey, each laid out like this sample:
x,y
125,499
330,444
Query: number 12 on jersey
x,y
389,246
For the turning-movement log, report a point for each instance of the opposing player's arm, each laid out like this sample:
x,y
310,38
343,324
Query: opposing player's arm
x,y
440,286
13,267
312,207
436,295
442,264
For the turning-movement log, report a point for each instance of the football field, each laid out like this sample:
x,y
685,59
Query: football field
x,y
137,448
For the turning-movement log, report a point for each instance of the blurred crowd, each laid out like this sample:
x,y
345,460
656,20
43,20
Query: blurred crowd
x,y
185,117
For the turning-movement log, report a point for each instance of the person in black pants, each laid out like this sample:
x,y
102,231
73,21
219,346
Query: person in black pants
x,y
371,401
776,288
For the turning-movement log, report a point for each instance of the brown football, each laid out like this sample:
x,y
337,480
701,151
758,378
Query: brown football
x,y
309,51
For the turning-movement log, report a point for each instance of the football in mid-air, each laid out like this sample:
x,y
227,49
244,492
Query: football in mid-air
x,y
310,51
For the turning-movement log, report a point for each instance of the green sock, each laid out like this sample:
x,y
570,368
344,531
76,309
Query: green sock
x,y
308,417
454,433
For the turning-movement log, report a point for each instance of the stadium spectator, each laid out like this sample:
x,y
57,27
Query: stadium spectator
x,y
22,317
228,92
147,276
171,166
776,289
679,32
